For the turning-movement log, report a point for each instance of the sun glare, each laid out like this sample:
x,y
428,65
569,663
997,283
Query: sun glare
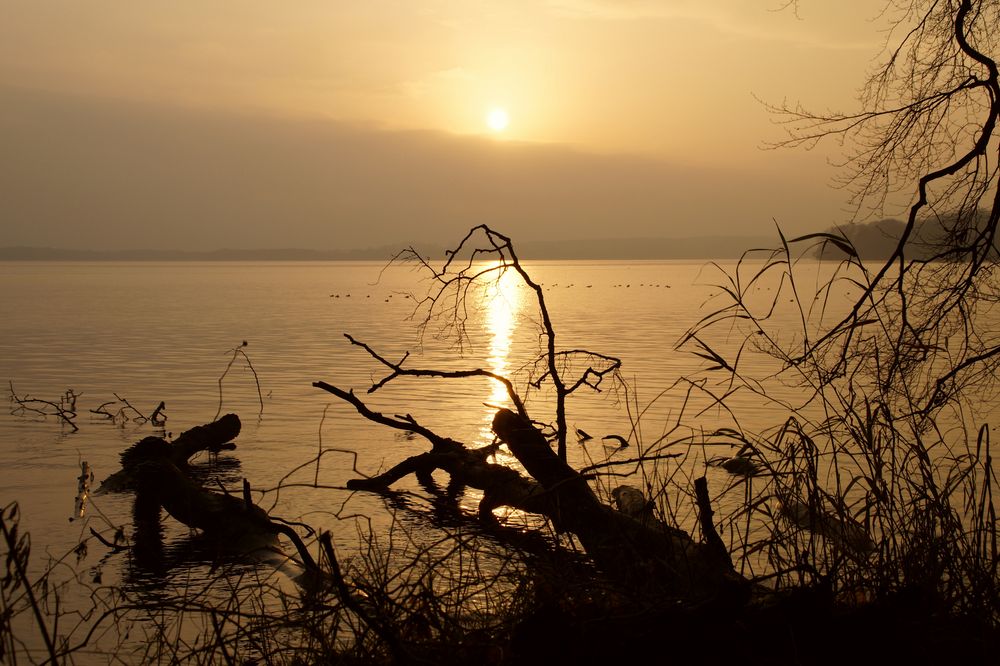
x,y
502,302
497,119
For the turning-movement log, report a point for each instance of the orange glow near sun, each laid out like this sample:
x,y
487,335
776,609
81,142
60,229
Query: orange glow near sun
x,y
497,119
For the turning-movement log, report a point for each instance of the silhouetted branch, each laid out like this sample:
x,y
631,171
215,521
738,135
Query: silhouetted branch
x,y
237,352
406,422
447,302
65,409
398,370
928,121
126,412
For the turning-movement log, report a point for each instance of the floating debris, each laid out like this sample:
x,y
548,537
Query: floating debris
x,y
622,442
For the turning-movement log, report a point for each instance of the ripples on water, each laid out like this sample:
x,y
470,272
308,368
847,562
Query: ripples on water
x,y
152,332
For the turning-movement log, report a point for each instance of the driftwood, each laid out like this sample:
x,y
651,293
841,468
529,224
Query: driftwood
x,y
221,515
158,472
233,521
642,554
213,437
639,553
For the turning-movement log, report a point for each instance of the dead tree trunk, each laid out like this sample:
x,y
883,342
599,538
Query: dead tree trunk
x,y
636,554
212,437
633,552
157,471
233,521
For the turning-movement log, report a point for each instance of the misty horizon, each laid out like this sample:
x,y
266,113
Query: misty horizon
x,y
84,172
694,247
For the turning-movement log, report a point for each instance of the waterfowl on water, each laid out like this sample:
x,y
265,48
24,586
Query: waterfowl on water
x,y
740,465
823,519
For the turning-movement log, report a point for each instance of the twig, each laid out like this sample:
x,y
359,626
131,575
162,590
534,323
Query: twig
x,y
383,629
237,352
18,552
65,409
116,547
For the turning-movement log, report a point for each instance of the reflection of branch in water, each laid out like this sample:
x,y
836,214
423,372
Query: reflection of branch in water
x,y
224,470
82,490
445,514
147,538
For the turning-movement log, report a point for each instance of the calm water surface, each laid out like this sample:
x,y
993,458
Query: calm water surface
x,y
152,332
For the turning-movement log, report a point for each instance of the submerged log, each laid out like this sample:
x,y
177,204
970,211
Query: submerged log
x,y
212,437
501,486
233,521
640,554
157,470
222,515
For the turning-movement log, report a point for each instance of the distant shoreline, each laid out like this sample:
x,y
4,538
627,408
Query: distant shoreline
x,y
606,249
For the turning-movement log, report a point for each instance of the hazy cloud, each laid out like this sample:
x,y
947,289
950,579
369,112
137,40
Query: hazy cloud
x,y
666,77
767,20
91,173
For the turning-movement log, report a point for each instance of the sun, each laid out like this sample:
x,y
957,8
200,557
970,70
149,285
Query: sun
x,y
497,119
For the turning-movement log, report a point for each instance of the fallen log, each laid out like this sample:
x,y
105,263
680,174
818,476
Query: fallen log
x,y
221,515
157,470
212,437
234,521
501,486
638,554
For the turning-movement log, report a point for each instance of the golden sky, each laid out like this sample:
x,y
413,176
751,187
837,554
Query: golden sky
x,y
595,91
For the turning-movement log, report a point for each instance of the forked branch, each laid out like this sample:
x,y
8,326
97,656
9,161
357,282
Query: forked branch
x,y
398,371
447,303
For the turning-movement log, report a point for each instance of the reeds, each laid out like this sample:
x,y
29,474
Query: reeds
x,y
878,483
874,486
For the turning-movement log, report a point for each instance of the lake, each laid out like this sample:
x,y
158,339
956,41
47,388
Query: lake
x,y
152,332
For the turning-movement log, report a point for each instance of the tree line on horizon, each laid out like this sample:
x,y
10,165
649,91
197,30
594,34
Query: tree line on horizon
x,y
933,238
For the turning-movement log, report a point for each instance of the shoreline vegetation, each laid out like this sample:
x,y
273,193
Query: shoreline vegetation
x,y
708,247
861,525
867,535
878,239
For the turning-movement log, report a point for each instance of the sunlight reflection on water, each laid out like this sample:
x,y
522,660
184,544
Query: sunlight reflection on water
x,y
154,332
503,302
